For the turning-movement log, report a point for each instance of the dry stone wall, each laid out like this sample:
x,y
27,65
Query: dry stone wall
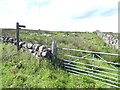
x,y
35,49
109,39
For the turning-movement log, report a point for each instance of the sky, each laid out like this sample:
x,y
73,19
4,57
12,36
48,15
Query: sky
x,y
60,15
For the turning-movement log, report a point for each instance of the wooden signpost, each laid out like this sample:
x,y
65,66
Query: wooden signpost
x,y
17,33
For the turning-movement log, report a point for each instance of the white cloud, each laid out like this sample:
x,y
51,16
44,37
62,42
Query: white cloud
x,y
57,15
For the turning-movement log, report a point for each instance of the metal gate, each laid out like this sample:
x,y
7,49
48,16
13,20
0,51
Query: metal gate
x,y
93,64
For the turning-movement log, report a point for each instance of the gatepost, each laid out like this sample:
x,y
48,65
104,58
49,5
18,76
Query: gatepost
x,y
54,50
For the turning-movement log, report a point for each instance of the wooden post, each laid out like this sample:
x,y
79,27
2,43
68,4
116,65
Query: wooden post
x,y
54,50
17,35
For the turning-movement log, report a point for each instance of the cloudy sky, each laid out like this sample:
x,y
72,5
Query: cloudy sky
x,y
61,15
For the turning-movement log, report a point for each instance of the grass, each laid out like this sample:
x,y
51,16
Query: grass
x,y
25,71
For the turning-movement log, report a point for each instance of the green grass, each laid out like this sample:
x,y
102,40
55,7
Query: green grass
x,y
45,74
25,71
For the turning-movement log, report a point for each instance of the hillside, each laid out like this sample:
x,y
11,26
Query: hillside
x,y
24,70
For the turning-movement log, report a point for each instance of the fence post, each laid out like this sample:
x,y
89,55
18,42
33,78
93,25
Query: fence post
x,y
54,50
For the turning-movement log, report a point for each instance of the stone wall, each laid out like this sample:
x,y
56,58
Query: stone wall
x,y
35,49
109,39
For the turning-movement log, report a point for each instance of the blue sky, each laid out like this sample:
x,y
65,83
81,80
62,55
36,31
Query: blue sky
x,y
60,15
